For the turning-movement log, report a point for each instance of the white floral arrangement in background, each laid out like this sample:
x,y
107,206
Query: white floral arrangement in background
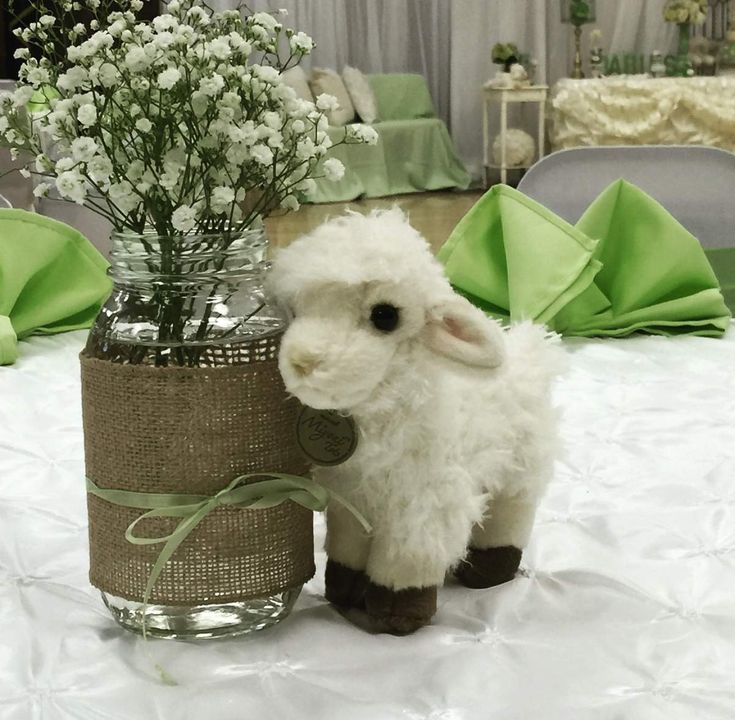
x,y
520,148
685,11
182,125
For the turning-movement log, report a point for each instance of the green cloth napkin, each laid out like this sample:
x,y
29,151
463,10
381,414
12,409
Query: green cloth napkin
x,y
722,260
626,266
51,279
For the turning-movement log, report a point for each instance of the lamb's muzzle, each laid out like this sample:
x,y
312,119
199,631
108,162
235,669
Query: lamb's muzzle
x,y
303,362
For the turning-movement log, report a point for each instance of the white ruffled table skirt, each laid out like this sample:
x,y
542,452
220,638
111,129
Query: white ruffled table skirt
x,y
640,110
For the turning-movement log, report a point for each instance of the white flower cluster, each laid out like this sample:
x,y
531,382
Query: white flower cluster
x,y
686,11
175,124
362,134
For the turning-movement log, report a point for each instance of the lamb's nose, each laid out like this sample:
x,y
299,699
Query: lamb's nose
x,y
303,362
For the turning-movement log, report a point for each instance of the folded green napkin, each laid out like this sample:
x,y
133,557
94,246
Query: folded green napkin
x,y
51,279
627,266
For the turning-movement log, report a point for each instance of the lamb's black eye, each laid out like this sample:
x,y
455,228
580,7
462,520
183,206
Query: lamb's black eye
x,y
384,317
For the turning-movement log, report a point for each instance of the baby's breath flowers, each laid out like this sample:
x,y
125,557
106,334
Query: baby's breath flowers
x,y
182,125
686,11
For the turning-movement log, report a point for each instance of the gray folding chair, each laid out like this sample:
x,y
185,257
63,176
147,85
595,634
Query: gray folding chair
x,y
94,227
696,184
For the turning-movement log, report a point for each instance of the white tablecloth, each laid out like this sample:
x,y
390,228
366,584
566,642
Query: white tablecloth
x,y
625,609
639,110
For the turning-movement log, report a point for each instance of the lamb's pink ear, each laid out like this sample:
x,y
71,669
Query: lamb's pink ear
x,y
461,332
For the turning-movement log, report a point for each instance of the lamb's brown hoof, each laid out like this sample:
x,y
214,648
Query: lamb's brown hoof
x,y
399,612
344,586
489,567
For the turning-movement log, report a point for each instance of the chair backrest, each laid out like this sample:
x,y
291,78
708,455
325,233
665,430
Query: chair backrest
x,y
696,184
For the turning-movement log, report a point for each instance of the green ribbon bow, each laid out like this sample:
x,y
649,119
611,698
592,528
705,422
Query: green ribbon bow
x,y
192,509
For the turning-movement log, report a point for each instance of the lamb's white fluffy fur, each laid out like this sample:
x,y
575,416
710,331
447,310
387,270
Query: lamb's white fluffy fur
x,y
456,428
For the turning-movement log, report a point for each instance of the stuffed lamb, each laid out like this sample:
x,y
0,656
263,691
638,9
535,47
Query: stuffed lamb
x,y
456,429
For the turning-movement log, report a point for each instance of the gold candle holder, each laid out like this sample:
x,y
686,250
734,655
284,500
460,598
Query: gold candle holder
x,y
578,13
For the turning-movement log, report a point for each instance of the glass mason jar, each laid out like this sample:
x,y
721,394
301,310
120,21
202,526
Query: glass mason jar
x,y
188,302
176,298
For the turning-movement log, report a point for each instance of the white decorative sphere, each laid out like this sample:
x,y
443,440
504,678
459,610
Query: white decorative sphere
x,y
520,149
518,75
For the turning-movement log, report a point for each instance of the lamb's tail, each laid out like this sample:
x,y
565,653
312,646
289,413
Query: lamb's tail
x,y
536,352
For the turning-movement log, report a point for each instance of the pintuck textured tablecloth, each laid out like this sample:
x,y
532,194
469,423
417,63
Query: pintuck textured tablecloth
x,y
640,110
624,610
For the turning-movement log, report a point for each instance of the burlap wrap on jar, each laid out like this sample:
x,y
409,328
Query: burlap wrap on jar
x,y
193,430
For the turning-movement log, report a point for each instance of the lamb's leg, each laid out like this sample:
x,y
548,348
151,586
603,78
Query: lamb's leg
x,y
402,587
399,612
347,549
406,565
496,545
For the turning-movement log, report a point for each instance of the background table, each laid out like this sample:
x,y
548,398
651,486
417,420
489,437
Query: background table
x,y
639,110
505,97
624,608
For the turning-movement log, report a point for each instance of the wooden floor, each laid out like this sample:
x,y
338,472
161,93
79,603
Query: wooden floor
x,y
434,214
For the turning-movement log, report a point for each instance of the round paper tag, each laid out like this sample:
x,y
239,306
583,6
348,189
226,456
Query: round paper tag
x,y
325,436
